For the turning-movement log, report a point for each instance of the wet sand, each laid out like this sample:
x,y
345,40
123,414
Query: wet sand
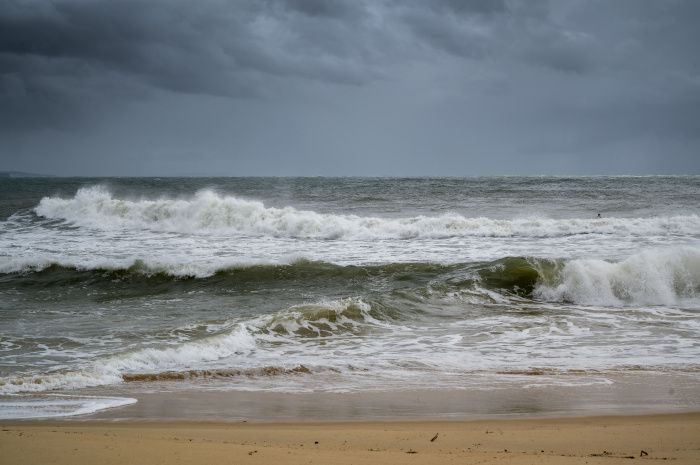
x,y
531,396
673,438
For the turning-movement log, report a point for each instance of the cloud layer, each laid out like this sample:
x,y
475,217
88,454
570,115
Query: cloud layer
x,y
566,81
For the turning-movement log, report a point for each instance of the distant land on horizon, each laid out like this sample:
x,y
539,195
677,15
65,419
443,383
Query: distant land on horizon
x,y
23,174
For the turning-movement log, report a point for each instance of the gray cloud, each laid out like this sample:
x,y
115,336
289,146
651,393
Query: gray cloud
x,y
411,78
217,48
226,48
340,9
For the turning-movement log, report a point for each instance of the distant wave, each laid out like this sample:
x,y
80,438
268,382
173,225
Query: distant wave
x,y
91,268
210,212
124,269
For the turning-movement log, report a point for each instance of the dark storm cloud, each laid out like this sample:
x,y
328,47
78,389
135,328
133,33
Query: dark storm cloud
x,y
570,75
187,46
218,48
226,48
498,30
57,58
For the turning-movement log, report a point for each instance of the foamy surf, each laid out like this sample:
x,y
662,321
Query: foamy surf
x,y
56,406
337,343
235,345
210,212
110,370
139,266
669,276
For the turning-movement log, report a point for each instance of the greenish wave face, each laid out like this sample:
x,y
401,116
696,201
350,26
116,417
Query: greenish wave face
x,y
514,275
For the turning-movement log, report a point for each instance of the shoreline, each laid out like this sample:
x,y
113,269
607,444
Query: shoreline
x,y
89,420
638,393
569,440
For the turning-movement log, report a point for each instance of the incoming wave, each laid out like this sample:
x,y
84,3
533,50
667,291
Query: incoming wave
x,y
184,360
661,276
110,370
651,277
209,212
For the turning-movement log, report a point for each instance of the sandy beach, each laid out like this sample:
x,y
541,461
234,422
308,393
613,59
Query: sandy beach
x,y
582,440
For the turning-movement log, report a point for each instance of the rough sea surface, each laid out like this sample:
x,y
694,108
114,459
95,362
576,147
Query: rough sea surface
x,y
341,284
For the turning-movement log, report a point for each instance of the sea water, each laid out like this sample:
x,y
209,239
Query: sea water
x,y
340,284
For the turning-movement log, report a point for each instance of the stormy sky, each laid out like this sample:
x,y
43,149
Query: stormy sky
x,y
350,87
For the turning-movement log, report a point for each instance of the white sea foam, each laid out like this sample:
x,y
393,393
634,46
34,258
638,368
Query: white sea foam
x,y
53,406
237,345
328,317
209,212
109,370
663,276
419,352
236,341
147,267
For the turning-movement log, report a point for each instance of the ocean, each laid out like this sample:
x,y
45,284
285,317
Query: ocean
x,y
113,288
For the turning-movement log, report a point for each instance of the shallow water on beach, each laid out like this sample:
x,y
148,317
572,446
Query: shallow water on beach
x,y
342,285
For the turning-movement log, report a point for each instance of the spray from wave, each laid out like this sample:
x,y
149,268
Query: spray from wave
x,y
209,212
651,277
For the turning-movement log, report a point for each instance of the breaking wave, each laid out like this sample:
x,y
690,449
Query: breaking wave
x,y
111,370
669,276
651,277
346,316
210,212
661,276
183,361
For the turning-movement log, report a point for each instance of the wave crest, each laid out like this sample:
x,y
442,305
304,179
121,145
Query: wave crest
x,y
347,316
210,212
660,276
651,277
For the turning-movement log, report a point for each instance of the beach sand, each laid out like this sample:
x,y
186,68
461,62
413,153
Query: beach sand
x,y
672,438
